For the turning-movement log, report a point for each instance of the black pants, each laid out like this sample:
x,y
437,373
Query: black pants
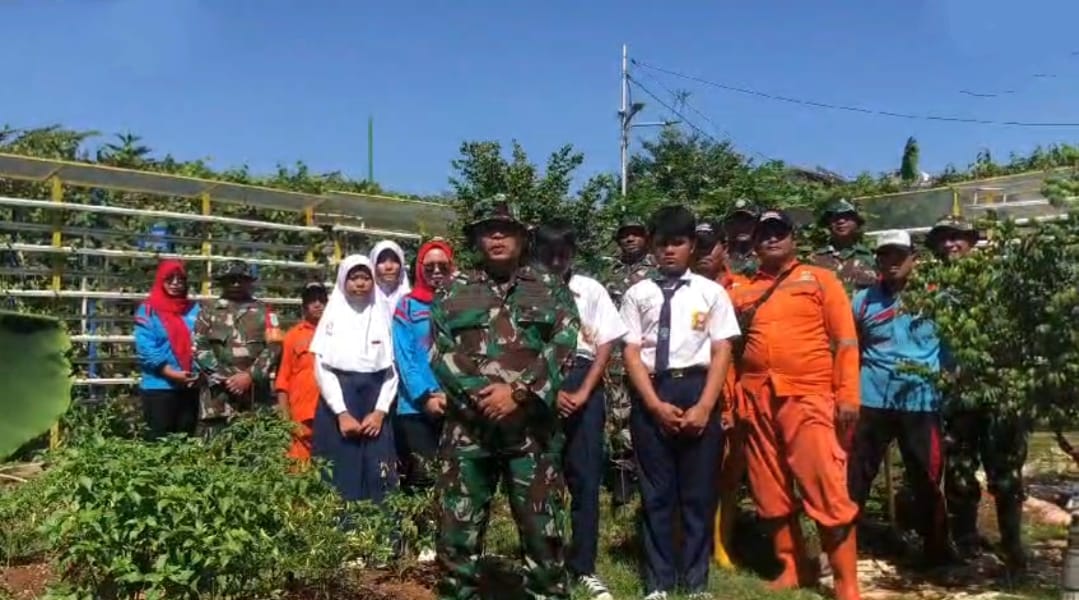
x,y
999,445
583,462
679,475
417,437
170,411
921,446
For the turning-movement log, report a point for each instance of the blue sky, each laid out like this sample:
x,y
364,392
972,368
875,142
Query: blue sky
x,y
268,81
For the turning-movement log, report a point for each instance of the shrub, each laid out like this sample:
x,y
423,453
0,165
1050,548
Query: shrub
x,y
184,518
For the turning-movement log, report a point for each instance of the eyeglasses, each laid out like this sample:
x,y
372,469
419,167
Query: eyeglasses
x,y
431,267
176,279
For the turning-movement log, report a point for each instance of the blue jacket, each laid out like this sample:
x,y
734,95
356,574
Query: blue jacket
x,y
892,340
152,347
411,347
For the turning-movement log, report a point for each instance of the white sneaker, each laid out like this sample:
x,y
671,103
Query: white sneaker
x,y
657,595
700,596
596,589
427,555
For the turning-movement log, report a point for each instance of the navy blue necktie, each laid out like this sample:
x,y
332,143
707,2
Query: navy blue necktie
x,y
663,337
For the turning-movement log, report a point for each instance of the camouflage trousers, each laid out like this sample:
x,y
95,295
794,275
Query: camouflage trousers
x,y
622,474
537,494
997,443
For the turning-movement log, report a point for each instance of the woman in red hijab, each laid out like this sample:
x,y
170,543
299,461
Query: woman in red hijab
x,y
165,349
420,400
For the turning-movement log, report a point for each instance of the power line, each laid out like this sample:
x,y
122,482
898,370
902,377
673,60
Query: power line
x,y
855,109
673,110
717,126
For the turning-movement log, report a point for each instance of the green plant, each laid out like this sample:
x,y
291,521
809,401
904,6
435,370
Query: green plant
x,y
184,518
36,376
23,511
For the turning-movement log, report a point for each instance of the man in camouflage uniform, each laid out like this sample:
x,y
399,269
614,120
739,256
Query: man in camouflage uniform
x,y
738,227
634,264
853,261
978,436
503,336
236,342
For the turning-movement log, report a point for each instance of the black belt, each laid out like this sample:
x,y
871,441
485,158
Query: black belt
x,y
680,373
581,362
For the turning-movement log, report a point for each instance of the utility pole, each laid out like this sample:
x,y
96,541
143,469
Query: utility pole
x,y
371,150
628,110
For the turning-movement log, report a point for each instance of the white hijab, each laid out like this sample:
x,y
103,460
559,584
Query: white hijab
x,y
388,301
353,336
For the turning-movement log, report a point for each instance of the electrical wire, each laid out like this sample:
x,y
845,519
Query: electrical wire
x,y
674,111
847,108
720,129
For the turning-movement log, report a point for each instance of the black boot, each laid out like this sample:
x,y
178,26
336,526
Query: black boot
x,y
1010,521
968,541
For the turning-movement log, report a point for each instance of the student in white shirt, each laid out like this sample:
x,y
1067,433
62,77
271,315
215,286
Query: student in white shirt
x,y
354,368
582,402
391,276
678,350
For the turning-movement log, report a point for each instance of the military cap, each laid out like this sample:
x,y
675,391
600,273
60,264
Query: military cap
x,y
236,269
841,207
629,222
490,210
709,234
743,206
951,223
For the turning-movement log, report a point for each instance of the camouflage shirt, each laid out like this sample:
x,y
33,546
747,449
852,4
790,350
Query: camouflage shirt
x,y
231,337
855,265
743,264
623,276
485,332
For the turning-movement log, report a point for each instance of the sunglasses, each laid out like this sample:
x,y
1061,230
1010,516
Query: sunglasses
x,y
176,279
431,267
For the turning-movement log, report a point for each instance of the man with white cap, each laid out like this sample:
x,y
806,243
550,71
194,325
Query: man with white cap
x,y
898,402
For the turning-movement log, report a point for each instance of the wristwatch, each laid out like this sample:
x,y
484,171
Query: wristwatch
x,y
521,393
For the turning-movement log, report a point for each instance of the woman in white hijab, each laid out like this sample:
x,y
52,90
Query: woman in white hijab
x,y
353,352
391,276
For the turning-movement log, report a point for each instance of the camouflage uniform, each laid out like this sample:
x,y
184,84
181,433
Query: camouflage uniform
x,y
978,436
523,332
855,265
741,263
230,337
615,380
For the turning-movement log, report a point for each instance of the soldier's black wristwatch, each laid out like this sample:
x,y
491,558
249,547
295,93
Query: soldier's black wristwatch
x,y
521,393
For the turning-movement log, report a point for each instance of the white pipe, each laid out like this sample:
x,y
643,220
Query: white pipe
x,y
292,264
157,214
105,381
375,231
1020,222
118,339
117,295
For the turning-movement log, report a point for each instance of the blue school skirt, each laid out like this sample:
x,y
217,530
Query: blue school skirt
x,y
361,468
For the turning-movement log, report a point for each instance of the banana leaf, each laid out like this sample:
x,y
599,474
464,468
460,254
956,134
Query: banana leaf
x,y
35,377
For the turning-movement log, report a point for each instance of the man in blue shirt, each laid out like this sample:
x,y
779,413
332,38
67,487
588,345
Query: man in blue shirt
x,y
900,355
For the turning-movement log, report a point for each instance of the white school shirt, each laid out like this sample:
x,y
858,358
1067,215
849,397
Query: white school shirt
x,y
701,313
600,321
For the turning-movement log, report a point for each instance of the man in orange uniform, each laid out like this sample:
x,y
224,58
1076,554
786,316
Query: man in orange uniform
x,y
799,375
713,263
297,390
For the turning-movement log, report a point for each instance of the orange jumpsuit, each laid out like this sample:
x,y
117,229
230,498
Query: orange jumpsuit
x,y
296,377
800,361
734,464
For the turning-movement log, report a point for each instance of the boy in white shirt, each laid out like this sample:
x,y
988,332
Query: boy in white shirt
x,y
582,402
677,353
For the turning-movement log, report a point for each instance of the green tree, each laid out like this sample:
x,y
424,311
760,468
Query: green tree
x,y
908,171
482,171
